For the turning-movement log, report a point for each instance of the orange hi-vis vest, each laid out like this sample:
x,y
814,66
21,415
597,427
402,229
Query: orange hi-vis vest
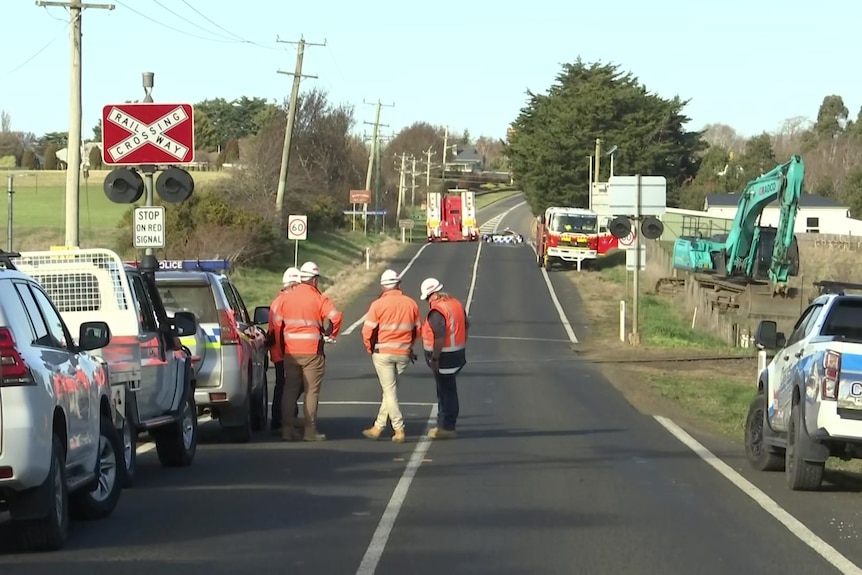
x,y
391,324
303,311
276,328
453,356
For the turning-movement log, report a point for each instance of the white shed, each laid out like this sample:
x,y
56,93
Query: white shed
x,y
817,214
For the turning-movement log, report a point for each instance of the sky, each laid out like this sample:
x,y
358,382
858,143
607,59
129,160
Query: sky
x,y
750,64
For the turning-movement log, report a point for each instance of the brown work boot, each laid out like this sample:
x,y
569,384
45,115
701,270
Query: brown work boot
x,y
311,434
440,433
289,434
372,432
398,436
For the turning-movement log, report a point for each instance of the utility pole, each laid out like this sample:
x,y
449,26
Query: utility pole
x,y
413,174
148,81
288,130
402,184
74,145
428,153
375,143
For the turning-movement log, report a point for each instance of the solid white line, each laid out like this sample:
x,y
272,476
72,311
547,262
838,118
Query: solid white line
x,y
358,322
407,403
563,319
518,338
390,514
469,301
829,553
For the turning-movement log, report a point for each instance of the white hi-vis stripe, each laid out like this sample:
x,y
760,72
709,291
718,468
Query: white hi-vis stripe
x,y
154,134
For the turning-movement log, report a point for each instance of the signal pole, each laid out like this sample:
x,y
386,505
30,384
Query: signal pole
x,y
428,153
74,145
288,130
375,144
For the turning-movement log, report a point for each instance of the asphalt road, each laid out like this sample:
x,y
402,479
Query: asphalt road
x,y
552,472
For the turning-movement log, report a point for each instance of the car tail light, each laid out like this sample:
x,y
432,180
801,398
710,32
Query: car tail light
x,y
831,375
227,327
13,367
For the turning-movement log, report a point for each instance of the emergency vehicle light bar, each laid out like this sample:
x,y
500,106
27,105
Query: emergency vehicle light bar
x,y
215,266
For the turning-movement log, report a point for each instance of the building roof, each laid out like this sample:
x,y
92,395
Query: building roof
x,y
468,156
805,201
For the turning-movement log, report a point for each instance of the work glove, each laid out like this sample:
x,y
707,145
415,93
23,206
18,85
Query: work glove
x,y
413,357
327,339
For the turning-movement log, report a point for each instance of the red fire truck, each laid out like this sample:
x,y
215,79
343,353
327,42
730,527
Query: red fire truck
x,y
570,236
451,217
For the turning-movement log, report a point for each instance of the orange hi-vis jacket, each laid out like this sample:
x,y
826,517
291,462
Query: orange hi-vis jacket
x,y
453,356
303,311
276,328
391,324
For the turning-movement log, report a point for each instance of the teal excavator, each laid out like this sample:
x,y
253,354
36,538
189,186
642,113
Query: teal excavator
x,y
750,252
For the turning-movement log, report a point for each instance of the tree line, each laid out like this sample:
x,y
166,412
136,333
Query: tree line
x,y
554,134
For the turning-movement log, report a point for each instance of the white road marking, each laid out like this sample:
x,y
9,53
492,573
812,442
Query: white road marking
x,y
407,403
390,514
803,533
358,322
498,219
518,338
563,319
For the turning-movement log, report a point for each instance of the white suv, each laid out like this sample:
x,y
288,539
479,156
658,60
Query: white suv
x,y
59,447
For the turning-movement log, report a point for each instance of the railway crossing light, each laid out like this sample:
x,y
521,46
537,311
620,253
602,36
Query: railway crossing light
x,y
620,227
175,185
124,186
652,228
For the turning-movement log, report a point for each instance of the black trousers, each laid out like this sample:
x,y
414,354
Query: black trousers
x,y
447,401
278,395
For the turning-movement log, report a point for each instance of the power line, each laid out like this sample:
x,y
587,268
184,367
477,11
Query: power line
x,y
222,28
43,48
184,19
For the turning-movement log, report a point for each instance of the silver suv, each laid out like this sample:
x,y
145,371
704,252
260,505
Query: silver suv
x,y
230,356
60,451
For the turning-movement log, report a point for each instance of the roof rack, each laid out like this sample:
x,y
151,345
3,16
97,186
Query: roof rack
x,y
6,259
835,287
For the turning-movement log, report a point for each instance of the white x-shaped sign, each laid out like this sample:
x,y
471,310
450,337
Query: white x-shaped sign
x,y
143,134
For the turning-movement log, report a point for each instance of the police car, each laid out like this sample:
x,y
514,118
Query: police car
x,y
507,236
230,356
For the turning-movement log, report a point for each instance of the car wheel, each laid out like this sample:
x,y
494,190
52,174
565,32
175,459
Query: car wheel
x,y
129,438
801,475
177,442
49,533
761,456
242,433
100,501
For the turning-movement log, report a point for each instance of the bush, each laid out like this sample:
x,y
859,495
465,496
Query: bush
x,y
207,226
50,157
29,161
95,158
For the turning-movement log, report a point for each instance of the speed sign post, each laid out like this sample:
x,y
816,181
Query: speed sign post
x,y
297,229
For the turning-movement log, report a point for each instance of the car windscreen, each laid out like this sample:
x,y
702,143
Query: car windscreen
x,y
194,297
573,224
845,320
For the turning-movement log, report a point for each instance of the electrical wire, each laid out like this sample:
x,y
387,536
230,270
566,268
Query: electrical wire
x,y
162,24
43,48
222,28
195,24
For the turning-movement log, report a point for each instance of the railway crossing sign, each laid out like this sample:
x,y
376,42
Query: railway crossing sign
x,y
297,227
148,133
629,240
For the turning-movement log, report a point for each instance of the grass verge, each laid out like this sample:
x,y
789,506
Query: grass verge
x,y
487,199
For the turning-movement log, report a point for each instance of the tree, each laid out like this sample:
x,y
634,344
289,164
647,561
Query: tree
x,y
556,131
29,161
236,119
95,158
831,117
50,157
206,138
97,130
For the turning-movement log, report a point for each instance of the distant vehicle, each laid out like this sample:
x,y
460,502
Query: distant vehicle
x,y
149,370
506,236
451,217
61,453
809,398
566,236
230,375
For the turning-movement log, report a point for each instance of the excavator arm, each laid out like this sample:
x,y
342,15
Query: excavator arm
x,y
783,183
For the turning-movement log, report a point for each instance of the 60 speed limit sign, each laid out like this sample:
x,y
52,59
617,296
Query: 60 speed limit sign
x,y
297,227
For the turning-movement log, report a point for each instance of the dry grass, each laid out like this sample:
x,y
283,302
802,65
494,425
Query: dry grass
x,y
830,257
351,281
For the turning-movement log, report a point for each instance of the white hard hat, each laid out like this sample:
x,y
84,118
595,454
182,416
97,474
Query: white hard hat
x,y
428,287
309,270
390,278
291,275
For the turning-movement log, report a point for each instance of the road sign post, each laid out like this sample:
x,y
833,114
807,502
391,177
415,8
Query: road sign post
x,y
297,229
149,227
406,224
637,197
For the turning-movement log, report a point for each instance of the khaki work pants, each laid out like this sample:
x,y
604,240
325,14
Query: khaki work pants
x,y
302,373
389,366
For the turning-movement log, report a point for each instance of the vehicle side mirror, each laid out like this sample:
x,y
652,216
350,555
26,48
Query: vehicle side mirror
x,y
185,323
780,340
766,335
261,315
93,335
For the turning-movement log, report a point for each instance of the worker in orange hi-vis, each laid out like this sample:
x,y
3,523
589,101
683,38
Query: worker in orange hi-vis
x,y
444,340
309,319
391,328
275,343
